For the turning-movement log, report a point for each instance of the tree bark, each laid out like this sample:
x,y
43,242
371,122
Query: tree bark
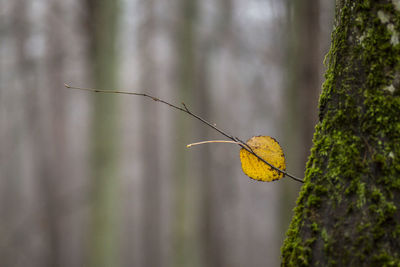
x,y
347,213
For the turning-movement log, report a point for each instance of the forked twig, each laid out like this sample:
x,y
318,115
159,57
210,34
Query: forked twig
x,y
186,110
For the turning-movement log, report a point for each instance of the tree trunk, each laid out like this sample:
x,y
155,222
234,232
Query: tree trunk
x,y
102,22
212,254
347,213
185,251
303,76
151,214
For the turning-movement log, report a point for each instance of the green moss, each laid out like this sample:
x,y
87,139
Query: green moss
x,y
363,227
313,200
327,240
315,227
351,196
361,195
385,259
396,232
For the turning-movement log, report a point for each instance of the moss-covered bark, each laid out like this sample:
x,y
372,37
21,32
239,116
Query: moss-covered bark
x,y
348,211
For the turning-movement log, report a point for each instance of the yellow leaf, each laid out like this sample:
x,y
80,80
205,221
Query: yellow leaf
x,y
268,149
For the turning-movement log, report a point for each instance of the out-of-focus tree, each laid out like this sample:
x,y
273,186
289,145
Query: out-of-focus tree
x,y
185,251
102,22
303,62
152,220
219,34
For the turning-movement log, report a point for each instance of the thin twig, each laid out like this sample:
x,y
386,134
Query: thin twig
x,y
186,110
212,141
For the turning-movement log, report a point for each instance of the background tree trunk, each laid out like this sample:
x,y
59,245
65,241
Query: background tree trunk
x,y
102,22
303,78
210,238
185,195
151,216
348,210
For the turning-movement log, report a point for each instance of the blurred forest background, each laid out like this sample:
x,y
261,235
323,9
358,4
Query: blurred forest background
x,y
107,180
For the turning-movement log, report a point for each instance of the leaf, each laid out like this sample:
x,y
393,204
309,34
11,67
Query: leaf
x,y
268,149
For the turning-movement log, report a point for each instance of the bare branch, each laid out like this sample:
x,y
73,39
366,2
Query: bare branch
x,y
186,110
